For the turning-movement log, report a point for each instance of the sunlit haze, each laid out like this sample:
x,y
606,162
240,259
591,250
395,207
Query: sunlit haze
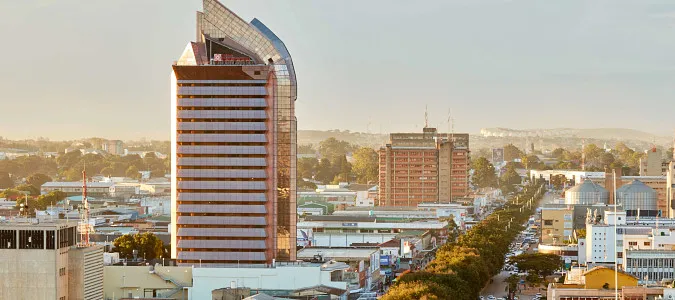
x,y
73,69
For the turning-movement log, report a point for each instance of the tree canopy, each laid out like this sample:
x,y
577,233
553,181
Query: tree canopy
x,y
512,152
37,179
366,165
462,268
541,264
149,246
332,148
483,173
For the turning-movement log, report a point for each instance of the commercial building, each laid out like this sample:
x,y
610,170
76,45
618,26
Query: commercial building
x,y
423,167
114,147
343,231
557,224
650,165
39,260
234,145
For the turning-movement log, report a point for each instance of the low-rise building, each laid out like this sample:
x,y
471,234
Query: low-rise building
x,y
94,189
152,281
364,263
285,279
342,231
557,224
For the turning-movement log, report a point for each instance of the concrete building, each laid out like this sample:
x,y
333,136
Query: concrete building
x,y
114,147
423,167
286,279
153,281
85,273
557,225
94,189
339,231
234,135
650,165
38,260
364,261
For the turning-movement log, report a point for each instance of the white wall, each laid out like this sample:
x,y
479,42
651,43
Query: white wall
x,y
280,278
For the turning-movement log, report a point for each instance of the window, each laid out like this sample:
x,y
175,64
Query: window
x,y
548,222
256,72
647,243
619,255
632,243
62,272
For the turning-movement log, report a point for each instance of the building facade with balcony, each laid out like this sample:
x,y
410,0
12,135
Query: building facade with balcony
x,y
423,167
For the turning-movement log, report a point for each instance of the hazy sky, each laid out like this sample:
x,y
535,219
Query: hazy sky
x,y
71,69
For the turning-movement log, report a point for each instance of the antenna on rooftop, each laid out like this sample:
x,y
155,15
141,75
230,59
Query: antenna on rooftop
x,y
426,117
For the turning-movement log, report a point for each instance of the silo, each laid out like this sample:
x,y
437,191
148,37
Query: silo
x,y
586,193
637,195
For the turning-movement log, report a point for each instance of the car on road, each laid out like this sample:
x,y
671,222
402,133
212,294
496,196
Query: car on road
x,y
481,298
491,297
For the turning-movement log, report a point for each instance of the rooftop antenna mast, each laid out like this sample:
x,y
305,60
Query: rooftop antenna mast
x,y
84,216
426,117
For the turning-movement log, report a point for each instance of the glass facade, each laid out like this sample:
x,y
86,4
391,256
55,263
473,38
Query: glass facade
x,y
234,138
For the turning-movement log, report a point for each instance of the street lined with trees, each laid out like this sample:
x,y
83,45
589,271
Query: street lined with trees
x,y
462,268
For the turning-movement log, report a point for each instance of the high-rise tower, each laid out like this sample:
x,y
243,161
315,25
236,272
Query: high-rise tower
x,y
233,145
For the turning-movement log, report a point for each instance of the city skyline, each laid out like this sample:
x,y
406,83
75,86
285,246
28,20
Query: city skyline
x,y
484,61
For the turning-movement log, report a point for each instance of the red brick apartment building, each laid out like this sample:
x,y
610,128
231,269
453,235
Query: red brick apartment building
x,y
423,167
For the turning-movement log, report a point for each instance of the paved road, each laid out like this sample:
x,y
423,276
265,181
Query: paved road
x,y
498,287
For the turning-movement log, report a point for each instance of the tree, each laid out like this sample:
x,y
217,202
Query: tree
x,y
307,167
512,152
558,153
10,194
306,149
512,283
366,165
72,174
484,173
132,172
6,181
558,181
533,279
542,264
325,172
509,179
107,171
306,185
30,189
38,179
331,148
147,244
51,198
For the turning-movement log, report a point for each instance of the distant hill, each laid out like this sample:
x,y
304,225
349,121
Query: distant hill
x,y
617,134
541,139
